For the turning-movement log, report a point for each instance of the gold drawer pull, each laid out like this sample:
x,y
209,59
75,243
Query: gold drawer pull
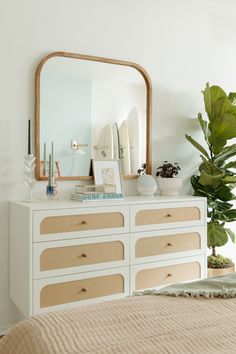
x,y
169,275
83,290
169,244
84,255
83,222
168,215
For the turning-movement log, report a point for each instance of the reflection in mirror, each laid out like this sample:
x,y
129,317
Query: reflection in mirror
x,y
90,110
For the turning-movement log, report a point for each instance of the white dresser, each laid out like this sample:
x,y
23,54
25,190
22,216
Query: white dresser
x,y
65,253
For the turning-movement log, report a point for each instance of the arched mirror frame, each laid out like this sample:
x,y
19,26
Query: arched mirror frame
x,y
147,80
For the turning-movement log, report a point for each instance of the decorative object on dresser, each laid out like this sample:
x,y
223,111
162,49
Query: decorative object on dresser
x,y
108,172
72,253
95,192
167,181
217,178
51,191
146,184
29,166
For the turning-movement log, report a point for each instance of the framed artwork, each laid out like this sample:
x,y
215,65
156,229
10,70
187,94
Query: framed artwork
x,y
108,172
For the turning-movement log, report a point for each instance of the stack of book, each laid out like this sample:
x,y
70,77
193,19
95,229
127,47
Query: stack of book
x,y
94,193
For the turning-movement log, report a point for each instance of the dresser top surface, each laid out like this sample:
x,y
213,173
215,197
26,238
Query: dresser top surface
x,y
129,200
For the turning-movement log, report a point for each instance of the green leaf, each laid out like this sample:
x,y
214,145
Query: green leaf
x,y
231,234
221,106
226,153
223,193
216,93
207,100
197,145
218,145
200,190
217,236
229,179
224,127
209,167
232,96
231,214
207,179
219,205
231,164
204,125
210,174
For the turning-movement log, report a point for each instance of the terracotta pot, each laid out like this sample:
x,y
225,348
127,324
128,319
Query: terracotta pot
x,y
213,272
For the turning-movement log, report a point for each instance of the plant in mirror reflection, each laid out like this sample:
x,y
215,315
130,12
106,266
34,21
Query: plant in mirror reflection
x,y
142,170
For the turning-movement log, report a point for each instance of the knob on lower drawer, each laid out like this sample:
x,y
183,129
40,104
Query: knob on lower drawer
x,y
83,290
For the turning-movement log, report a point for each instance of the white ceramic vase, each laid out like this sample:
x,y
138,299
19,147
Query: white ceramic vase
x,y
169,186
146,185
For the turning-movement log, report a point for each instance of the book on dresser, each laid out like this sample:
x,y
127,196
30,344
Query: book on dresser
x,y
95,196
63,253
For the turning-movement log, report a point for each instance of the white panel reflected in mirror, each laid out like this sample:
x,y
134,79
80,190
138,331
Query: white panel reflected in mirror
x,y
92,109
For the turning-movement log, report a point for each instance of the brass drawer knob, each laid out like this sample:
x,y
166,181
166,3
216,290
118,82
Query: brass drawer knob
x,y
83,222
169,244
168,215
169,275
83,290
84,255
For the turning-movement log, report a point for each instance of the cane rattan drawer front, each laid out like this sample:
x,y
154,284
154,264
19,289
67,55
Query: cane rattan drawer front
x,y
52,293
55,258
169,215
162,275
159,245
61,293
85,222
74,256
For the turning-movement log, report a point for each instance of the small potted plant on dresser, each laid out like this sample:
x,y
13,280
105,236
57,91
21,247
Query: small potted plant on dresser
x,y
167,181
217,178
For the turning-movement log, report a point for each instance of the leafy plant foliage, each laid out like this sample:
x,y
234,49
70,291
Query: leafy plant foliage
x,y
219,262
168,170
142,170
217,177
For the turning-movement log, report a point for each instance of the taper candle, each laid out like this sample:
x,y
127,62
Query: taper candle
x,y
52,152
50,171
44,158
29,137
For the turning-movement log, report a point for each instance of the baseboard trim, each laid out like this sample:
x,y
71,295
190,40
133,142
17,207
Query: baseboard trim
x,y
3,329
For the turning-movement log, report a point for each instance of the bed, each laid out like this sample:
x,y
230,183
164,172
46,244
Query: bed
x,y
144,324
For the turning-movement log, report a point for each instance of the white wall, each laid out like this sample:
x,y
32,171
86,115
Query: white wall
x,y
182,44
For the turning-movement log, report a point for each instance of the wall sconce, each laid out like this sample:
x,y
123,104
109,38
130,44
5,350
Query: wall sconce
x,y
75,146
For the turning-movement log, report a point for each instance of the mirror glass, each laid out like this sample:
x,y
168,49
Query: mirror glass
x,y
90,110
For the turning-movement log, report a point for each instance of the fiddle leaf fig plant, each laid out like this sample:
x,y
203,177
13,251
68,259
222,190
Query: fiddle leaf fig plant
x,y
217,178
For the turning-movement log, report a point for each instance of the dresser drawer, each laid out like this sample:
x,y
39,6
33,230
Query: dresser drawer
x,y
53,225
55,258
159,245
167,215
64,292
158,274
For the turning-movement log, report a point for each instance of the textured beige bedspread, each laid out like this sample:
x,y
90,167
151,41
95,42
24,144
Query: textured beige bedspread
x,y
146,324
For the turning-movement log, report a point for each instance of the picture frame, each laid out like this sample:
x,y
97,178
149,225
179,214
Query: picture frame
x,y
108,172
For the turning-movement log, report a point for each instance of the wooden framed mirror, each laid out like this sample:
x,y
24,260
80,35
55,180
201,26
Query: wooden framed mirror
x,y
91,107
